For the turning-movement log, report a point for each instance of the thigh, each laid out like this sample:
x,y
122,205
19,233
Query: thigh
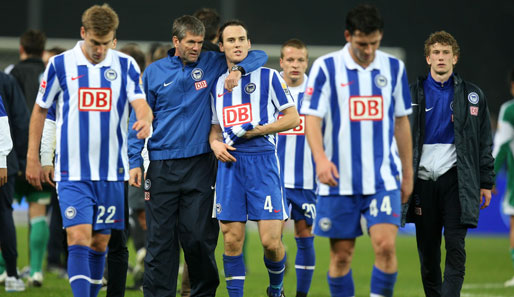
x,y
263,187
303,204
383,207
337,217
77,203
110,197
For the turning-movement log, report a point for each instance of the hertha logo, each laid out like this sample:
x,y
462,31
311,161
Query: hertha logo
x,y
70,212
197,74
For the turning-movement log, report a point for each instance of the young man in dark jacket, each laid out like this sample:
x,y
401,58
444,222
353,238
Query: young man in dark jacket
x,y
453,164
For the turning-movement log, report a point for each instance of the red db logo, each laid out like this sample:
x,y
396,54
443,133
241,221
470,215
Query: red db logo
x,y
366,108
95,99
237,115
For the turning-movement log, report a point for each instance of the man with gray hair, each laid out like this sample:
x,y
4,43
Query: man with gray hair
x,y
179,185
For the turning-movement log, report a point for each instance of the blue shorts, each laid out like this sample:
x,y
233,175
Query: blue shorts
x,y
96,203
339,216
302,203
250,188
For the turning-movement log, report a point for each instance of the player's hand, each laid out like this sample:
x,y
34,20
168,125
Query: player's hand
x,y
143,128
221,151
485,198
407,186
3,176
135,177
232,80
326,172
47,175
254,132
33,173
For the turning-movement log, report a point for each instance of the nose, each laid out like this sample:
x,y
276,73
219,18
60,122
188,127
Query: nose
x,y
369,49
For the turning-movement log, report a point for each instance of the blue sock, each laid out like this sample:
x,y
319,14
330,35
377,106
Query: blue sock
x,y
304,264
234,274
382,284
276,275
96,267
78,270
341,286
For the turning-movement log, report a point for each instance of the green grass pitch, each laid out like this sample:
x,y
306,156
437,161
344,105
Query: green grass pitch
x,y
488,266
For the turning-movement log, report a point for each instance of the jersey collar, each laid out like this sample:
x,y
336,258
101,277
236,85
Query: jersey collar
x,y
351,64
82,60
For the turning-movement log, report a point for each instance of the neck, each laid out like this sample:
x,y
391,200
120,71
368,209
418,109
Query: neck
x,y
293,83
441,78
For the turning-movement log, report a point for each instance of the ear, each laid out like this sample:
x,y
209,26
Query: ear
x,y
281,63
249,44
83,32
455,60
175,41
347,36
428,60
222,49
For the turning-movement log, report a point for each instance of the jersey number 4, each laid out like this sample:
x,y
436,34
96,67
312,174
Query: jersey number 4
x,y
384,207
110,213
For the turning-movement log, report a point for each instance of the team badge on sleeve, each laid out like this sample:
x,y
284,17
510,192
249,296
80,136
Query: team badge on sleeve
x,y
286,89
473,98
42,87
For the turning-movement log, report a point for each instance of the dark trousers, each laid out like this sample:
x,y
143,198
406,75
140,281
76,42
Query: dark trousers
x,y
7,229
437,207
180,208
57,244
117,258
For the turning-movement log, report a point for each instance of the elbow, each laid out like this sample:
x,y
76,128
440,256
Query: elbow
x,y
296,122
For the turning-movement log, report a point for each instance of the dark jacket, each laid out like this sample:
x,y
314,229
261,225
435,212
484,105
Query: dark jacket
x,y
14,103
28,73
473,143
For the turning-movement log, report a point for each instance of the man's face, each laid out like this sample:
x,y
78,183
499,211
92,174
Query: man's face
x,y
95,47
294,63
235,44
441,59
189,48
363,46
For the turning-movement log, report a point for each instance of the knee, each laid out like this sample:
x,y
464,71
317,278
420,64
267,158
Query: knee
x,y
78,238
385,248
271,243
342,258
233,243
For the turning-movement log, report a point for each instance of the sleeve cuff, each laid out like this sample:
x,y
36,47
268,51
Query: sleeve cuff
x,y
47,160
3,161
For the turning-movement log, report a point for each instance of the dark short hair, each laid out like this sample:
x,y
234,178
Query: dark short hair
x,y
133,50
366,18
444,38
232,23
296,43
33,42
56,50
211,20
187,23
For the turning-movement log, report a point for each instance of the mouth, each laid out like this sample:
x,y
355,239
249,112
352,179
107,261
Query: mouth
x,y
295,73
237,52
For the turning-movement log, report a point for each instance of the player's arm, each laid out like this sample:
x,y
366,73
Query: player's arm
x,y
47,150
326,171
33,171
220,149
290,120
403,138
144,118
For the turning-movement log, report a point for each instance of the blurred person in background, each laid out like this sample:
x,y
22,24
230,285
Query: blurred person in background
x,y
211,20
504,158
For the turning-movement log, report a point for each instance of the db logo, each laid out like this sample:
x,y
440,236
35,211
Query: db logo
x,y
298,130
95,99
370,108
200,84
237,115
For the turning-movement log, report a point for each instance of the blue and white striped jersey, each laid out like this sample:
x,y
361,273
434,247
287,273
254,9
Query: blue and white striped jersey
x,y
91,113
294,153
257,100
5,136
358,107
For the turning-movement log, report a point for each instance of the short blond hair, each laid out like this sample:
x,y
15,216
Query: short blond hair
x,y
100,19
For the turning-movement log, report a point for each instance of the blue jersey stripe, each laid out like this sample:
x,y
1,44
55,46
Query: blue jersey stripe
x,y
120,106
2,108
134,76
264,96
63,158
318,85
298,161
336,115
245,80
51,80
378,141
405,90
395,67
355,130
281,151
104,130
277,89
85,167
